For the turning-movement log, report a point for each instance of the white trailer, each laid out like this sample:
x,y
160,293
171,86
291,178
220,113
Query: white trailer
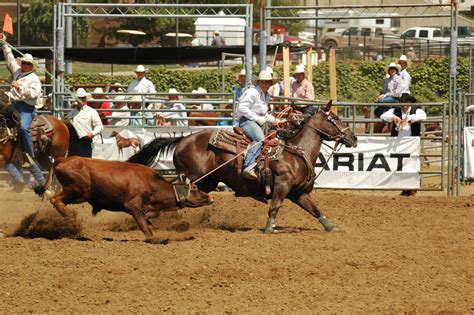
x,y
232,29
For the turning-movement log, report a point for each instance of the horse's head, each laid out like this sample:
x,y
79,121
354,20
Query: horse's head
x,y
331,128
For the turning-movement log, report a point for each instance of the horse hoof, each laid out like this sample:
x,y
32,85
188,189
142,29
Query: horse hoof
x,y
269,231
335,228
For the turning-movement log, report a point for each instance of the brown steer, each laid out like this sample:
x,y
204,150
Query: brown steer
x,y
117,186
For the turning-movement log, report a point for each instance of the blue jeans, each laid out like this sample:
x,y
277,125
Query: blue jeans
x,y
27,112
379,110
255,133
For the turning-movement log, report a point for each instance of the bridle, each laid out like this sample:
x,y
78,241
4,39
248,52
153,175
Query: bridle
x,y
340,136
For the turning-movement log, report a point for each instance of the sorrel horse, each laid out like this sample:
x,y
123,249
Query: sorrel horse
x,y
204,122
123,142
293,174
54,145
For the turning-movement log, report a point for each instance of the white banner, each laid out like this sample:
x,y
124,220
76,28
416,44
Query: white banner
x,y
376,162
468,152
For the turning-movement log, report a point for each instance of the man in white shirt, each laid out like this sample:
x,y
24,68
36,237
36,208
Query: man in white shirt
x,y
406,123
24,92
406,77
252,114
86,125
141,84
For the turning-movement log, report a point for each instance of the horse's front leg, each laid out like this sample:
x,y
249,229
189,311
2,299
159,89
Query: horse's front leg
x,y
280,191
305,202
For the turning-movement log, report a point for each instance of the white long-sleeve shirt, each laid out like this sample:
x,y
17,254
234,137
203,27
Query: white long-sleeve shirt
x,y
141,86
116,119
393,86
85,120
405,129
253,104
177,122
406,78
30,84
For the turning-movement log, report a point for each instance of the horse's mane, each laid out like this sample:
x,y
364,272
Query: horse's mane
x,y
4,100
148,153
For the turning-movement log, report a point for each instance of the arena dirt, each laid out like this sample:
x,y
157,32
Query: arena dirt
x,y
395,255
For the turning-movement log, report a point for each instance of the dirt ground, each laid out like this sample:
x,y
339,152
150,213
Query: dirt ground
x,y
394,254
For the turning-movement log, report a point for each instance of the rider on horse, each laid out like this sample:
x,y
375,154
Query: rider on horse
x,y
252,114
23,94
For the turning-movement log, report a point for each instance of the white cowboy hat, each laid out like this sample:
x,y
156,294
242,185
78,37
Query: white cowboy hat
x,y
201,90
80,92
394,65
172,91
27,58
140,68
135,99
119,98
269,69
98,90
411,48
242,72
299,69
216,32
264,75
403,58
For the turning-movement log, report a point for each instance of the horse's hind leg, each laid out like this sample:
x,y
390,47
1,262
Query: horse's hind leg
x,y
307,204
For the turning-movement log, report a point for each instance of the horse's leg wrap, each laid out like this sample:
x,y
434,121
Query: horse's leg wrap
x,y
269,226
328,226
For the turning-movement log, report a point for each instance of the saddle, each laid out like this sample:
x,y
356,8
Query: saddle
x,y
41,132
236,142
295,120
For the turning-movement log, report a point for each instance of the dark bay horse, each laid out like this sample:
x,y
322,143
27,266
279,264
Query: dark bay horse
x,y
293,174
54,146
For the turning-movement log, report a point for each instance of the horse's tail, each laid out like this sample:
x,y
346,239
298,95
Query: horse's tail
x,y
41,189
151,150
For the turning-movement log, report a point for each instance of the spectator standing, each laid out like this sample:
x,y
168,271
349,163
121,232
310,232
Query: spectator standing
x,y
173,118
274,90
117,118
86,125
239,89
141,84
411,55
406,123
196,41
302,88
24,92
218,40
97,95
406,77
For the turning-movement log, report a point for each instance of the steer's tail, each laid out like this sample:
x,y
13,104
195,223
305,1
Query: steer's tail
x,y
160,147
41,189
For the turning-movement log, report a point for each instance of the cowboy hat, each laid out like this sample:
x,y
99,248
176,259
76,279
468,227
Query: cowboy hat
x,y
135,99
201,90
27,58
299,69
140,68
242,72
394,65
80,92
98,90
264,75
216,32
172,91
403,58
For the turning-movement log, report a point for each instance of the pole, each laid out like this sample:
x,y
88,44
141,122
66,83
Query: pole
x,y
332,78
248,47
18,21
177,27
68,37
263,40
453,106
